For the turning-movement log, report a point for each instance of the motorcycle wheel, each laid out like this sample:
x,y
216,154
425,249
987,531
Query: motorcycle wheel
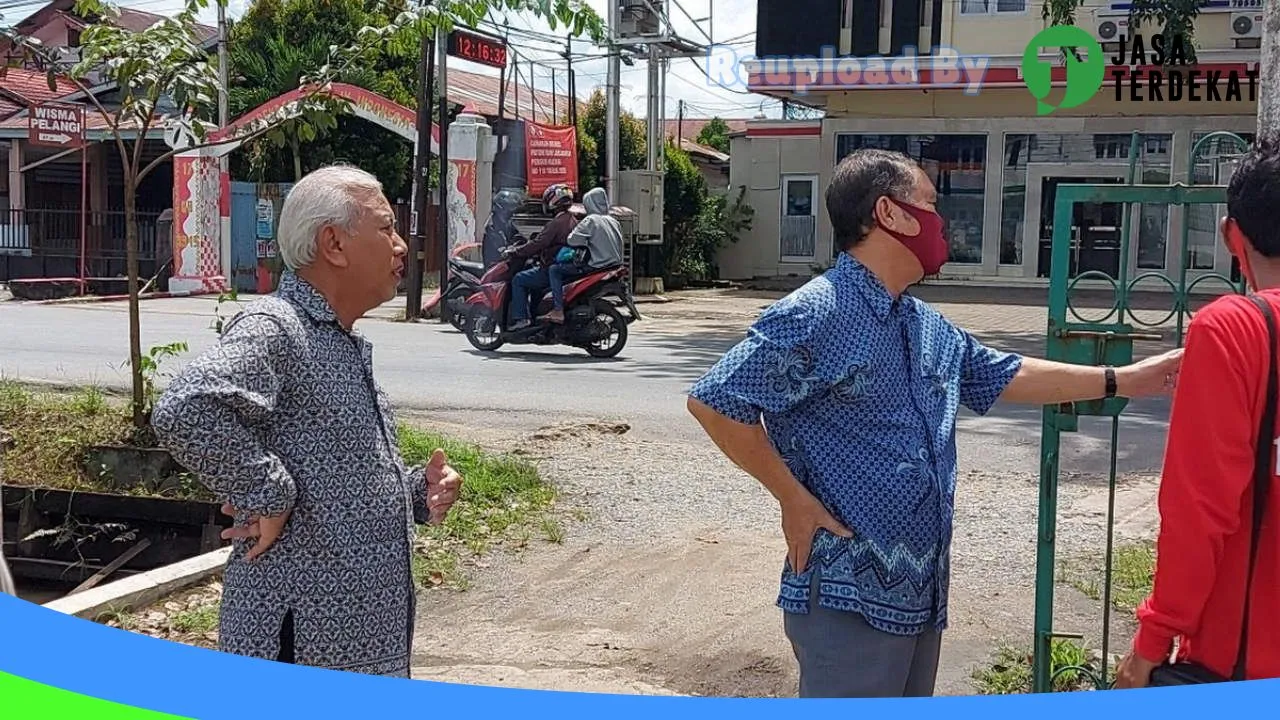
x,y
607,314
481,329
457,319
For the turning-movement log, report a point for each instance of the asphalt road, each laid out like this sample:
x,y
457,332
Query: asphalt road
x,y
430,368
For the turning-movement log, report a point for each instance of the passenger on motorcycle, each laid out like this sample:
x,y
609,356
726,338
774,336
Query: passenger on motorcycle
x,y
557,200
501,230
595,244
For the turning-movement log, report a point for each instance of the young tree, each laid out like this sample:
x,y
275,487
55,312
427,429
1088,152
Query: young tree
x,y
715,134
161,73
591,142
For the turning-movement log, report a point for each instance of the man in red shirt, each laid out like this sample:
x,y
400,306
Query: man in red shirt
x,y
1206,500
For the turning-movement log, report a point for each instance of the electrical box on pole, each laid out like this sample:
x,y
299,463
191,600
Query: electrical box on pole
x,y
641,191
638,19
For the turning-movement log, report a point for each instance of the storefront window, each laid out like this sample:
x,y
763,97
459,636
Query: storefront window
x,y
957,166
1211,167
1108,152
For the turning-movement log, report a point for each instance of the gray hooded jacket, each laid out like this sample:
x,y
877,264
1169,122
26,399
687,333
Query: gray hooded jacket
x,y
598,232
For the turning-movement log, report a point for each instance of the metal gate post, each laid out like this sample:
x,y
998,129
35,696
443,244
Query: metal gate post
x,y
1100,341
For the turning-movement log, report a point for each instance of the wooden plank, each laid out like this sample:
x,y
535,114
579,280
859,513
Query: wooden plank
x,y
113,566
143,589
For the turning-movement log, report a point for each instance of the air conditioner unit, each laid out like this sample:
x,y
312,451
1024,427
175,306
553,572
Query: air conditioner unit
x,y
1108,27
1246,25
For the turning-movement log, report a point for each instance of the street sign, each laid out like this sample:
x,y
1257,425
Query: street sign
x,y
478,48
56,125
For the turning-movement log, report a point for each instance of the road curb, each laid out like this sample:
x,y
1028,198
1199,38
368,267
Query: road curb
x,y
117,298
142,589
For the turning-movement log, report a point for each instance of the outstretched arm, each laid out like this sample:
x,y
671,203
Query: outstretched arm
x,y
1044,382
988,375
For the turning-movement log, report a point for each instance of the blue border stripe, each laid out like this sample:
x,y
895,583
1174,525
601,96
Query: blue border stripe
x,y
84,657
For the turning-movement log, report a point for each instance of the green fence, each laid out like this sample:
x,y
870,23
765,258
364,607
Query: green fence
x,y
1108,340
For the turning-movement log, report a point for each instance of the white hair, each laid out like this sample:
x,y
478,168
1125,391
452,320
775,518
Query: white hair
x,y
331,195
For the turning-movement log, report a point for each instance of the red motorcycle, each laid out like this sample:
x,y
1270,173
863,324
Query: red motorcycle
x,y
592,320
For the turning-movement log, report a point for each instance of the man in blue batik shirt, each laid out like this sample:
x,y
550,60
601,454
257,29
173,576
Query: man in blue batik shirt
x,y
858,385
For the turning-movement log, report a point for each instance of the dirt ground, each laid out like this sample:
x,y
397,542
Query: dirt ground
x,y
667,583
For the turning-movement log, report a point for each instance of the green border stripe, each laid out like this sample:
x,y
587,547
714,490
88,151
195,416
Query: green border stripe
x,y
29,700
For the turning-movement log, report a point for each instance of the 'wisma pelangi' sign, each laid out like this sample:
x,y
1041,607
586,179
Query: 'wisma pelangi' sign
x,y
55,125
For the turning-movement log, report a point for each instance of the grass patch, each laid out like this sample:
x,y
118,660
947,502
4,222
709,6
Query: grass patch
x,y
189,617
1010,672
1132,572
51,431
503,501
201,620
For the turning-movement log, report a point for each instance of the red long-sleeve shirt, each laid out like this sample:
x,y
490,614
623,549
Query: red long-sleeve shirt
x,y
1206,502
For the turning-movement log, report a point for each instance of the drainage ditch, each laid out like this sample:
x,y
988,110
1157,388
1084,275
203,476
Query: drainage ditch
x,y
58,542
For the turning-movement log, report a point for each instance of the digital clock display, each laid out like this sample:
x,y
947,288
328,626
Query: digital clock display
x,y
478,48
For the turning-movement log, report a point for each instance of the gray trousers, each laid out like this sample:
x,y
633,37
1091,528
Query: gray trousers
x,y
841,656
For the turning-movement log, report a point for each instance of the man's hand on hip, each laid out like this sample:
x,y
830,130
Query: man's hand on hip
x,y
801,519
443,485
264,530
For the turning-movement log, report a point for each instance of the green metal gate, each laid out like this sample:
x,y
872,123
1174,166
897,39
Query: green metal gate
x,y
1106,340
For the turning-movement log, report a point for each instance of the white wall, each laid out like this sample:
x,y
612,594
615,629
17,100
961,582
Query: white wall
x,y
759,163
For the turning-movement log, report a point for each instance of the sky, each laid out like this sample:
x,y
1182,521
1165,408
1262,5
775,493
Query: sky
x,y
732,26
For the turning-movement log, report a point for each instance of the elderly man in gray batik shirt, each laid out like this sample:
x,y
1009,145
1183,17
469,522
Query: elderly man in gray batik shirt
x,y
283,420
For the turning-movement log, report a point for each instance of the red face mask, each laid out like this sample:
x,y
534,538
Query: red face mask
x,y
929,245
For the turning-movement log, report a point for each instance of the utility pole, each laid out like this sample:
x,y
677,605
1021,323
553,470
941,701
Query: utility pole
x,y
224,160
612,114
421,184
680,123
573,89
654,144
662,112
222,64
443,226
1269,71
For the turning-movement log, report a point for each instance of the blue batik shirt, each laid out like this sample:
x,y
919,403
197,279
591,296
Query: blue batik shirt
x,y
859,394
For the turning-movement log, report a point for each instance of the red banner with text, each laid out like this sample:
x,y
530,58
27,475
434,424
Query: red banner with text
x,y
551,156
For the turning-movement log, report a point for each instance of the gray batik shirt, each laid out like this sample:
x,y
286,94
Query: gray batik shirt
x,y
284,414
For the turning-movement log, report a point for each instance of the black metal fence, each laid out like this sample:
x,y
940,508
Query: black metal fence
x,y
46,243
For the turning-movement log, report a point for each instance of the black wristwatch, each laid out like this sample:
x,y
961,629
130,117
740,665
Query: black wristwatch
x,y
1110,373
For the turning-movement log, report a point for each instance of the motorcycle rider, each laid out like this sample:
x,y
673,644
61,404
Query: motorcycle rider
x,y
501,230
556,200
599,235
